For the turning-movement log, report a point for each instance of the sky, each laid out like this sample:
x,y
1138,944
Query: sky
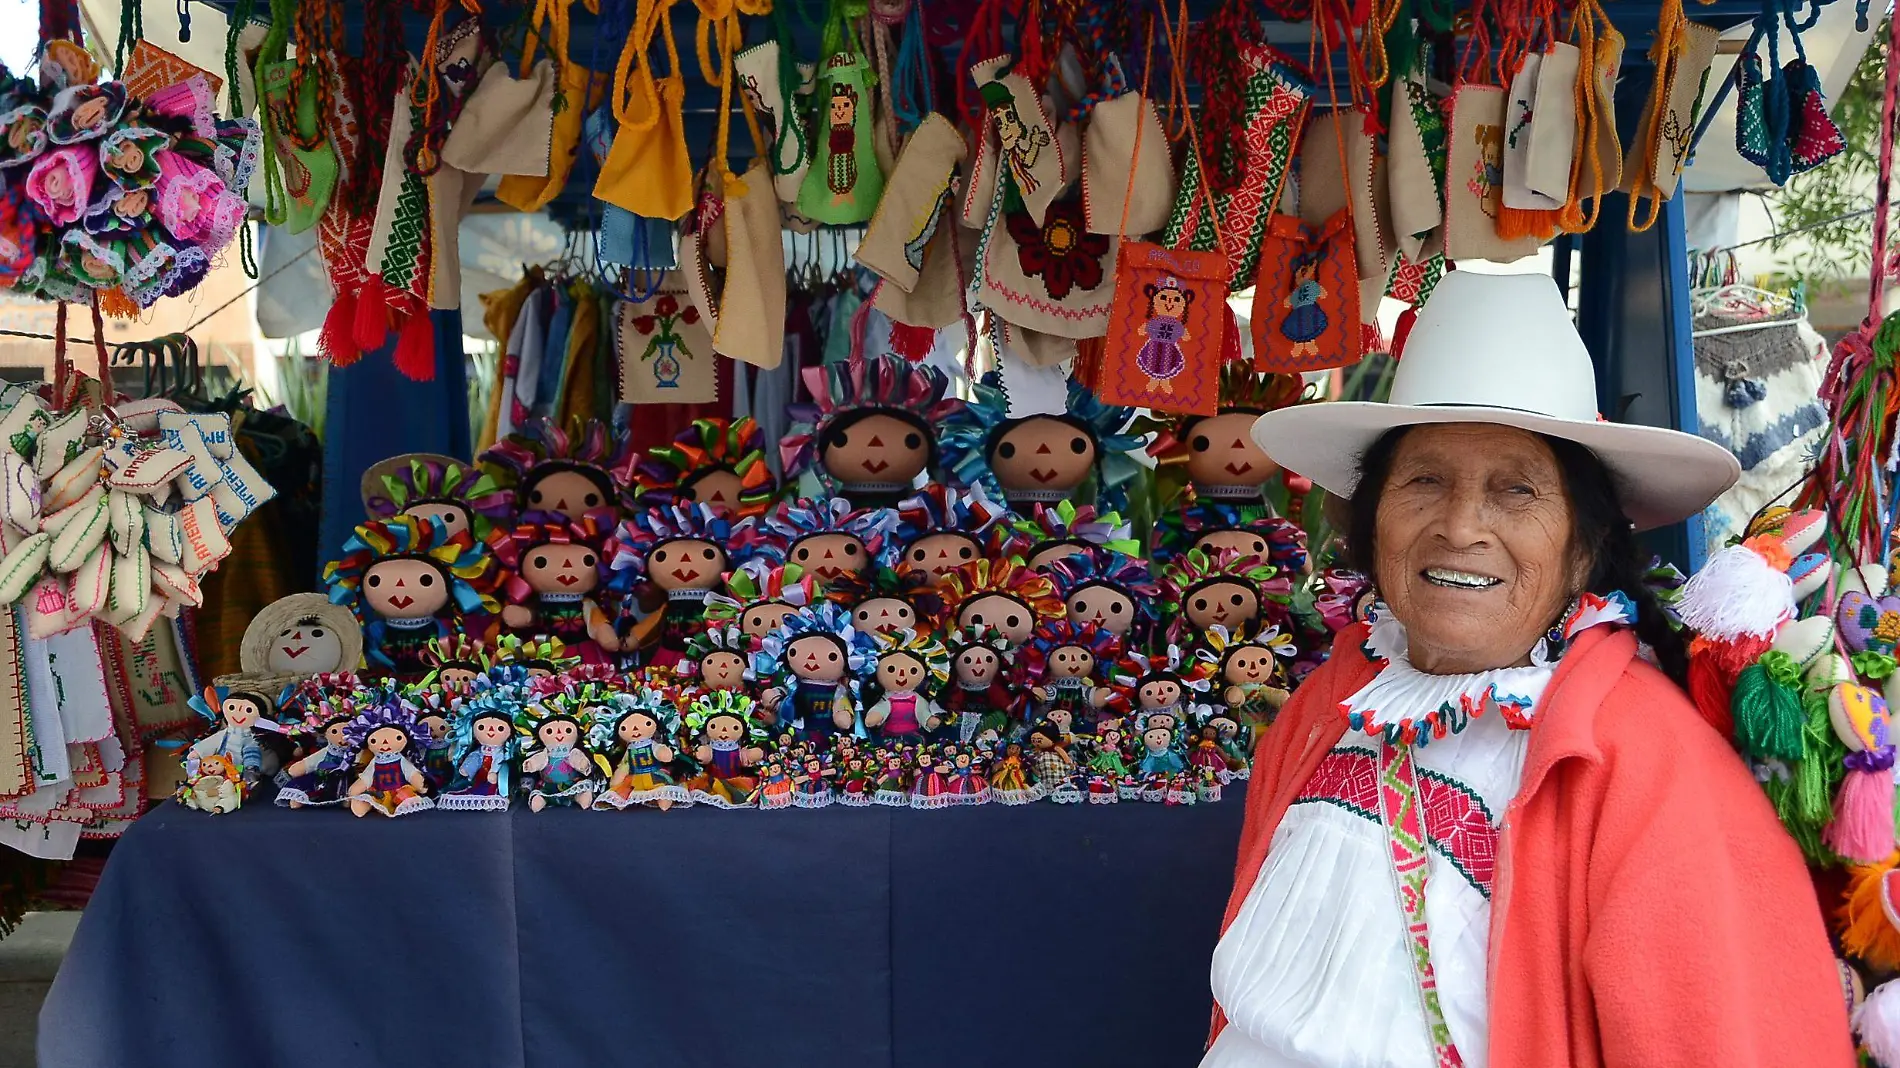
x,y
19,25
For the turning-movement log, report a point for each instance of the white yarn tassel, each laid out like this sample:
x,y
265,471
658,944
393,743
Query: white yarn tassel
x,y
1877,1021
1737,593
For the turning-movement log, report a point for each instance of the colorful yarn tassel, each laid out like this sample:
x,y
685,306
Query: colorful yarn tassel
x,y
1713,668
1767,708
337,339
370,325
1867,929
1863,811
415,349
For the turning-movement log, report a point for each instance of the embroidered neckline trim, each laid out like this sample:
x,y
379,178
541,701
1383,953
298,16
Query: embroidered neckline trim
x,y
417,623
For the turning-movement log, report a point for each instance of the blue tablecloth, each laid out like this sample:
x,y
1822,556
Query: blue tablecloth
x,y
1044,935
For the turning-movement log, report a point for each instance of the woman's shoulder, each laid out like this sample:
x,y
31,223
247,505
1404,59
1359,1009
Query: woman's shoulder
x,y
1647,725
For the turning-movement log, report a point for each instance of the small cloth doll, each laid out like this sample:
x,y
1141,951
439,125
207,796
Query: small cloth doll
x,y
979,695
222,767
1222,588
930,787
409,581
719,463
719,657
940,529
1215,525
384,734
856,778
967,784
1208,753
551,574
321,776
775,783
682,551
540,659
1107,589
870,430
1062,665
811,666
543,468
559,767
455,662
302,634
894,779
433,714
911,670
1250,672
759,595
1168,687
1050,532
1199,459
811,782
722,721
1009,777
885,600
825,537
1045,458
1109,778
1001,594
482,736
634,732
1051,767
425,485
1160,761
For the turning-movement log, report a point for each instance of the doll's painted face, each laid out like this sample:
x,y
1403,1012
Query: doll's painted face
x,y
637,727
1248,664
1049,552
405,589
1157,739
876,448
457,676
1109,739
387,740
1062,719
1161,721
722,670
899,672
941,553
560,569
1159,693
883,615
1040,741
557,732
1228,604
1221,452
1109,609
491,731
828,556
1244,542
717,488
1042,453
686,564
763,619
305,648
240,711
1071,662
816,657
1223,727
1009,616
725,729
452,515
978,666
563,491
435,726
335,735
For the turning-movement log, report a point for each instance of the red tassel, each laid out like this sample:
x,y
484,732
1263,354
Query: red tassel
x,y
1403,330
912,342
1713,668
415,349
370,326
337,340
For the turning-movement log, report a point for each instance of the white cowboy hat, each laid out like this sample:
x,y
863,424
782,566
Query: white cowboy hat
x,y
1502,349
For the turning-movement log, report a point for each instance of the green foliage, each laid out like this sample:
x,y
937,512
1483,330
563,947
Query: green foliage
x,y
1822,214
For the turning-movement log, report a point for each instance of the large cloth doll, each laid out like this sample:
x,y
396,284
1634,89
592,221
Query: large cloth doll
x,y
1108,589
1046,533
682,552
410,581
552,574
483,746
427,486
726,750
911,670
1201,589
544,468
389,780
758,595
719,463
809,669
635,732
940,529
1042,458
1066,666
871,429
827,538
884,600
557,766
1213,457
1003,595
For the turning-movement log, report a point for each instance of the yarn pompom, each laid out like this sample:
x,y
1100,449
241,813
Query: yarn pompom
x,y
1767,707
1877,1022
1867,917
1738,593
1713,669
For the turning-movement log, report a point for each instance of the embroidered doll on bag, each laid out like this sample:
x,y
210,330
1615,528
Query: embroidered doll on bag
x,y
911,670
391,780
722,721
814,661
1160,357
410,582
633,731
1017,142
485,754
1305,321
553,573
559,767
841,174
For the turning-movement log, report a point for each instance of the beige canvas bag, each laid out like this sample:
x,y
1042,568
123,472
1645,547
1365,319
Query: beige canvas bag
x,y
1108,150
507,126
1474,179
937,299
1361,188
915,203
751,326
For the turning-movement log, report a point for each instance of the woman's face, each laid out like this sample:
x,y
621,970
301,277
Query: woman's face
x,y
1473,545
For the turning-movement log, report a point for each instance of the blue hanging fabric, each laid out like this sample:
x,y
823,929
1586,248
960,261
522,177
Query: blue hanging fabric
x,y
912,98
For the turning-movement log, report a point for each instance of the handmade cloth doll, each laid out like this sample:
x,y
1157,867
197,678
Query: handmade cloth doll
x,y
940,529
322,775
1250,672
1062,665
536,659
895,776
968,783
722,721
1169,687
719,463
303,634
1045,458
810,667
425,485
1051,767
543,468
559,767
1204,589
884,600
634,731
870,430
930,787
719,657
1001,594
1214,458
856,778
433,712
911,670
825,537
455,662
1109,777
811,782
684,552
1048,533
1159,755
552,570
1107,589
775,783
482,738
384,735
222,767
759,595
1211,526
1009,777
409,581
979,695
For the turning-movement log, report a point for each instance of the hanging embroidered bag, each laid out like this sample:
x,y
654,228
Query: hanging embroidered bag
x,y
1475,177
647,170
1682,53
576,88
1306,296
664,348
300,168
914,205
844,183
1117,183
507,126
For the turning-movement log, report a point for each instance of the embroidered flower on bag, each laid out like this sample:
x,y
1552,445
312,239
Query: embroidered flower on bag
x,y
1061,251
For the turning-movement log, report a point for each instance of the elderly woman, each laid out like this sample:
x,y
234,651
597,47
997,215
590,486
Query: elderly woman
x,y
1492,829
